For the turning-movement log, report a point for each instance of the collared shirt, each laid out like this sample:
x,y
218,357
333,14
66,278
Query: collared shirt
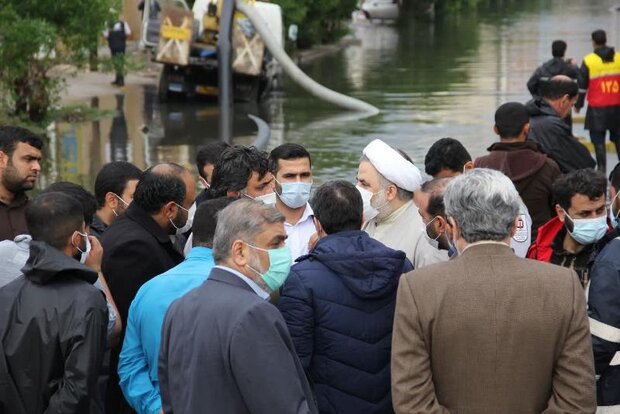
x,y
257,289
299,234
137,368
13,217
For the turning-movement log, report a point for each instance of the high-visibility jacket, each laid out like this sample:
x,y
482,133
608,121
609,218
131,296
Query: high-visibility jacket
x,y
604,83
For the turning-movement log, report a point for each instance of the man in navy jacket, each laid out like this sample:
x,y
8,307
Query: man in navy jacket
x,y
338,303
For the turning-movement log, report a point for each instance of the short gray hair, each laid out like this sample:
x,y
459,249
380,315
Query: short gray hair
x,y
384,183
484,203
242,220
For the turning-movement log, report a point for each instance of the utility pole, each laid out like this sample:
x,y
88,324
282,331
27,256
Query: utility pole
x,y
224,71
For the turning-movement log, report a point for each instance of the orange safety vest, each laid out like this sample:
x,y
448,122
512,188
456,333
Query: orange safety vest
x,y
604,85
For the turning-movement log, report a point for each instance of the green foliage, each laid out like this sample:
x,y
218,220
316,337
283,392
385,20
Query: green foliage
x,y
36,36
319,21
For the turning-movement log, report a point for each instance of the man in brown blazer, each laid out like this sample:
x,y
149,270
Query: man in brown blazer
x,y
489,332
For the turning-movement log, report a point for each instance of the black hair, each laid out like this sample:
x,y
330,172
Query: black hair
x,y
52,218
86,199
556,88
614,177
337,205
234,169
446,153
113,178
436,188
599,37
587,182
209,154
155,189
11,135
288,151
510,118
205,220
558,48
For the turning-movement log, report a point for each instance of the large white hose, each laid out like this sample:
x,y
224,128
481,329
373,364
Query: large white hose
x,y
293,71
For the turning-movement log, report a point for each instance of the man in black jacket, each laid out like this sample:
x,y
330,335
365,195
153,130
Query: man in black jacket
x,y
138,247
549,129
554,66
52,319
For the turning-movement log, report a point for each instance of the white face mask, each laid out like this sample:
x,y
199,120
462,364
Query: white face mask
x,y
269,199
188,223
433,242
84,253
369,211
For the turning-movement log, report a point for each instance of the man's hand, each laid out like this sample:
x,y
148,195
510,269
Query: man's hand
x,y
96,254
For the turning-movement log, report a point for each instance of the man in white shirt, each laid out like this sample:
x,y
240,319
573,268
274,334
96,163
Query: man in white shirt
x,y
291,166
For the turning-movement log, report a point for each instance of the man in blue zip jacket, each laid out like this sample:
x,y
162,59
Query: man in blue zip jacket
x,y
604,307
338,303
137,367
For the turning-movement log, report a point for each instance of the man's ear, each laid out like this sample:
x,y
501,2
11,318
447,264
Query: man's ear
x,y
442,224
169,210
526,129
391,193
318,227
111,200
239,254
455,232
495,129
560,212
469,165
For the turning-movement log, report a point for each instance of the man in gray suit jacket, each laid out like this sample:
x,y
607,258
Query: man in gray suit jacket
x,y
225,348
489,332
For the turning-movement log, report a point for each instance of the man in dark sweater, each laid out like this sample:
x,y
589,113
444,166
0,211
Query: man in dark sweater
x,y
531,171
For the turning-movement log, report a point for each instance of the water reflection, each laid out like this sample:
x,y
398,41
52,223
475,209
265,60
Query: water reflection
x,y
429,79
144,132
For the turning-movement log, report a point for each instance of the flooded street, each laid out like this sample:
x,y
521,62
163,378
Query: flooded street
x,y
430,80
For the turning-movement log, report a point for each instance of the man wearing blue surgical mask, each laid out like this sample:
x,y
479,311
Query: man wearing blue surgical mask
x,y
570,239
291,166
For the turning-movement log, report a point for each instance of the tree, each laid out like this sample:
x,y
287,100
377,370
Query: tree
x,y
35,37
319,21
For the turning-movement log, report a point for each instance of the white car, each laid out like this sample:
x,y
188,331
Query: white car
x,y
381,9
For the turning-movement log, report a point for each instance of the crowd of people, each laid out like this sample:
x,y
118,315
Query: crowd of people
x,y
485,285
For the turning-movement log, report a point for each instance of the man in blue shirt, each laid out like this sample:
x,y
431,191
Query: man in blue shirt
x,y
137,367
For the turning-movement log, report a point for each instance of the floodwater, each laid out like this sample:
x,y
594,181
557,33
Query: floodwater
x,y
430,80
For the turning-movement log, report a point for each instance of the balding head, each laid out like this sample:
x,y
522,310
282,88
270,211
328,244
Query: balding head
x,y
166,191
561,93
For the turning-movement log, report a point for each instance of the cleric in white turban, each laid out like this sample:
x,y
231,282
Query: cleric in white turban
x,y
386,181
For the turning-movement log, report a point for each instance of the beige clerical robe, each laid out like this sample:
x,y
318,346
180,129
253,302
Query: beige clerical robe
x,y
404,230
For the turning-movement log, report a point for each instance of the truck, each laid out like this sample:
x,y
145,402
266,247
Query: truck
x,y
184,41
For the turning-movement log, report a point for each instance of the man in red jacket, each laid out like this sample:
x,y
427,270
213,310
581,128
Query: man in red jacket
x,y
569,239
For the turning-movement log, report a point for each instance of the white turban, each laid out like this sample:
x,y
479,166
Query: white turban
x,y
393,166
